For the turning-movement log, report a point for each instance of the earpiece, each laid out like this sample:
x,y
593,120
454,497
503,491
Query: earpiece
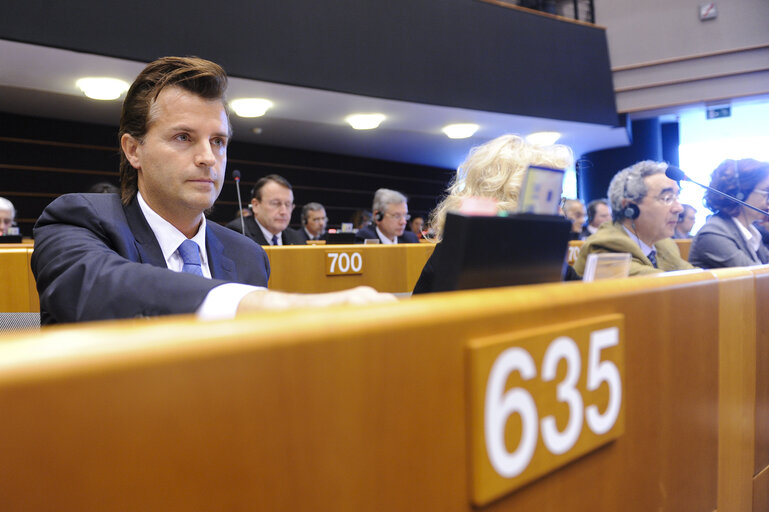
x,y
631,211
378,216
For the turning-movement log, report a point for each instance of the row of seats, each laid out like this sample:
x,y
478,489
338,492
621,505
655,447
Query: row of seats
x,y
387,407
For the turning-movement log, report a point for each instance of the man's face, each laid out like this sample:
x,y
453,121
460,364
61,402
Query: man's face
x,y
602,214
182,158
394,220
316,222
5,221
274,209
575,212
657,219
687,223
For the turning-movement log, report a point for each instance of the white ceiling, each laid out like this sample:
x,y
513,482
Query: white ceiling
x,y
40,81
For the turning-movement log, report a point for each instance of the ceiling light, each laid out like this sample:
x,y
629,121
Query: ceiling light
x,y
365,121
251,107
543,138
102,88
460,131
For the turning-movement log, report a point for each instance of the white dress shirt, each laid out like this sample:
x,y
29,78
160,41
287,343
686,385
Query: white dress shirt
x,y
222,301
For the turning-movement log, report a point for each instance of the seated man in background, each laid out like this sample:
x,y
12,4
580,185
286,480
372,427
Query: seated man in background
x,y
7,215
313,223
645,208
272,202
685,223
574,210
151,251
598,212
391,214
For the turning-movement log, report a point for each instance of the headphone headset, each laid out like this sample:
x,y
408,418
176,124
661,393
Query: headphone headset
x,y
631,211
378,216
739,195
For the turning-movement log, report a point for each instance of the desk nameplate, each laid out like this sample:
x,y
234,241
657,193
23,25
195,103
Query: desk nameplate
x,y
344,262
541,398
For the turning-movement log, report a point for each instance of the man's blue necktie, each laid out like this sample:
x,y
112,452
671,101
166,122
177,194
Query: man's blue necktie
x,y
653,258
190,253
274,239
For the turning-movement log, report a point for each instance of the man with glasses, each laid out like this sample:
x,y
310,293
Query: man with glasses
x,y
645,208
272,203
7,214
391,214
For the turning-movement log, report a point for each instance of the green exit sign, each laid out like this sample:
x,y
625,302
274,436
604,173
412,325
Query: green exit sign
x,y
717,112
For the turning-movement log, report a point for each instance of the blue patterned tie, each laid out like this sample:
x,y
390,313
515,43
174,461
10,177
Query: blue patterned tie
x,y
190,253
653,258
274,239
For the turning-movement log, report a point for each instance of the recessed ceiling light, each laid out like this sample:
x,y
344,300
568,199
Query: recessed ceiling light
x,y
460,130
543,138
102,88
365,121
251,107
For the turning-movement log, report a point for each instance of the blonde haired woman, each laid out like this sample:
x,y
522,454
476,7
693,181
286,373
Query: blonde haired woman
x,y
494,170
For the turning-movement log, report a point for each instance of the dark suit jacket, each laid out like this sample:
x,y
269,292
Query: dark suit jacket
x,y
301,234
95,259
254,233
369,232
719,243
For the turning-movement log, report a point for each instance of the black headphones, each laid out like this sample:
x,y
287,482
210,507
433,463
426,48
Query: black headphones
x,y
631,211
739,195
378,216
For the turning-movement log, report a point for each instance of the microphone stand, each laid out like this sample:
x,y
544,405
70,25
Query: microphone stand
x,y
236,177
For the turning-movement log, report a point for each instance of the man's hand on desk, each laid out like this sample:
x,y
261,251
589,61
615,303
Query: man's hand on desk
x,y
271,300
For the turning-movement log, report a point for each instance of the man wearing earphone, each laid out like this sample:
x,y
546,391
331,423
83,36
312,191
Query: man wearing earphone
x,y
645,211
391,214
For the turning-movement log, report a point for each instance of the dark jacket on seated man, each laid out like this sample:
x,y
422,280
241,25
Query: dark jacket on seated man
x,y
369,233
289,236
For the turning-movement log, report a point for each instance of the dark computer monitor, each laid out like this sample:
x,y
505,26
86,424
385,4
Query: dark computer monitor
x,y
340,238
485,252
10,239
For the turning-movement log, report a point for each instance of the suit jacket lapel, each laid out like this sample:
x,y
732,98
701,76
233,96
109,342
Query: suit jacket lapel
x,y
737,234
145,241
220,265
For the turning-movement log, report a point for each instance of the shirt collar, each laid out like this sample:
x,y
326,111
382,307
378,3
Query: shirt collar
x,y
750,234
645,248
384,239
169,238
268,235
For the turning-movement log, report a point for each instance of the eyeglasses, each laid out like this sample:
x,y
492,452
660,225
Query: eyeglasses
x,y
319,219
668,198
399,216
275,205
764,193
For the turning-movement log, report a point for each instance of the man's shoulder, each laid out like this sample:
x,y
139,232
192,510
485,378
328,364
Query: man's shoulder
x,y
610,236
367,232
409,237
293,236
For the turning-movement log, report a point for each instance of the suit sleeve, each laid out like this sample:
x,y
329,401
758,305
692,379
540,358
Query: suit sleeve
x,y
87,267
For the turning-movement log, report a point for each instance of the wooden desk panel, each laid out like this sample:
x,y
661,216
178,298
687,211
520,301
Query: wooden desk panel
x,y
17,289
347,409
387,268
684,246
761,463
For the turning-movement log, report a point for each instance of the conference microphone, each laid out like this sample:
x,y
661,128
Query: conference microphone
x,y
676,174
236,177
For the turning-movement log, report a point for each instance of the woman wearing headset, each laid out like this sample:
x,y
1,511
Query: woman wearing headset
x,y
728,238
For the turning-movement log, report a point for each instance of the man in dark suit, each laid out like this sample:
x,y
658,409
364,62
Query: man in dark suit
x,y
313,223
151,250
391,214
272,202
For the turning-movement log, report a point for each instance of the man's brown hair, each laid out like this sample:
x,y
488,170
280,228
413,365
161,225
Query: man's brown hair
x,y
198,76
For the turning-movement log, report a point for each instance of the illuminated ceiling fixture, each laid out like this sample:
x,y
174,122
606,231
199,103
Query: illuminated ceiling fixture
x,y
365,121
460,131
543,138
102,88
251,107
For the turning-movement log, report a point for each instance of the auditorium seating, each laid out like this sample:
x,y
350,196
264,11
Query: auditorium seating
x,y
377,407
